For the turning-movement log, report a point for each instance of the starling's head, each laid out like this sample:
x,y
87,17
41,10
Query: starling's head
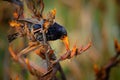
x,y
64,37
57,31
62,32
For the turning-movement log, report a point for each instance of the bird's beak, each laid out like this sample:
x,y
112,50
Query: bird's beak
x,y
66,42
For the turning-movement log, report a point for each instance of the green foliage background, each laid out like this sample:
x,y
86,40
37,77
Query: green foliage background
x,y
85,20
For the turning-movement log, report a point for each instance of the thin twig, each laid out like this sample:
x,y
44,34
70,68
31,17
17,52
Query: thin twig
x,y
104,72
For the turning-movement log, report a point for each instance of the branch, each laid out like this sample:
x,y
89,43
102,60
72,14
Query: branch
x,y
74,52
104,72
32,67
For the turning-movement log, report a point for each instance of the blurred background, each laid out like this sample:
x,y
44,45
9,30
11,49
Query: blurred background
x,y
84,20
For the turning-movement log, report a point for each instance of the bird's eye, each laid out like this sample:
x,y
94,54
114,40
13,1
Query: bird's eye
x,y
62,37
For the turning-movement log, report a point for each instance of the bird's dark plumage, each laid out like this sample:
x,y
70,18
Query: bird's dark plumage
x,y
54,32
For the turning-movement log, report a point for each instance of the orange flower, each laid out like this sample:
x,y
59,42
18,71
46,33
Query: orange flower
x,y
53,12
14,24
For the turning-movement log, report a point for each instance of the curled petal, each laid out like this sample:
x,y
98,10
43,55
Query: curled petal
x,y
17,77
96,69
117,46
73,52
28,64
15,15
13,54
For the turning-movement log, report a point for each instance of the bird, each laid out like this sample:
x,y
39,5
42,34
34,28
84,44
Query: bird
x,y
54,32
